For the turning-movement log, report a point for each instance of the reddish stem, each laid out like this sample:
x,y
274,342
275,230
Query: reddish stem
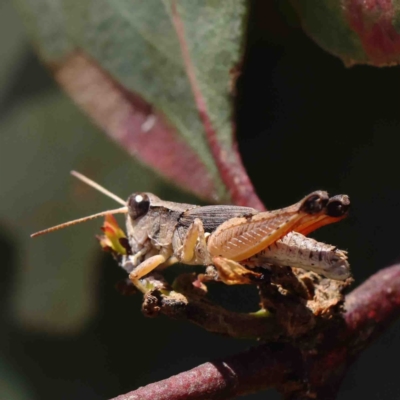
x,y
248,372
373,306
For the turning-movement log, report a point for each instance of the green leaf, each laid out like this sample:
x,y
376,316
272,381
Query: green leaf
x,y
158,77
359,32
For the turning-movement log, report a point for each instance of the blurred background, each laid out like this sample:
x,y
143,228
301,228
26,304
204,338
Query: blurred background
x,y
305,122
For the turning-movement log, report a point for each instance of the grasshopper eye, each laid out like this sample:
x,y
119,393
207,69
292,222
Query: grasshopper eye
x,y
138,205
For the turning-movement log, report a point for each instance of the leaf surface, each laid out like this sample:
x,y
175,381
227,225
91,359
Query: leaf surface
x,y
158,77
359,32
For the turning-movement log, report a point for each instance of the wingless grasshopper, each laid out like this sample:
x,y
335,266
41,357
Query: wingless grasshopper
x,y
230,238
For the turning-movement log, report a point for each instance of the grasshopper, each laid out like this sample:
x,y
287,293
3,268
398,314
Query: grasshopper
x,y
230,238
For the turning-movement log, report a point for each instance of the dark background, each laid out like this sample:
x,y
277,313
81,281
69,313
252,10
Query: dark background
x,y
305,122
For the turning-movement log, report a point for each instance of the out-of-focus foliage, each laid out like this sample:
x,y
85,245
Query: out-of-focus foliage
x,y
55,286
156,75
56,279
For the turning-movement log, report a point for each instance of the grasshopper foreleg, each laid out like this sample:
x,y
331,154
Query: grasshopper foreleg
x,y
135,258
146,267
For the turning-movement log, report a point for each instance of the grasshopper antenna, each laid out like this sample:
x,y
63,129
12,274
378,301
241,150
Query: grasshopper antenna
x,y
122,210
93,184
98,187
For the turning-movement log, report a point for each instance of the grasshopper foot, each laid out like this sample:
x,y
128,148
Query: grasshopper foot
x,y
232,273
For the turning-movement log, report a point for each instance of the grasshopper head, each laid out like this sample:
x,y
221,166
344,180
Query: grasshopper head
x,y
142,219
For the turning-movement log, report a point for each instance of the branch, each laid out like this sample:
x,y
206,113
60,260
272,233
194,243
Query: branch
x,y
190,303
373,306
370,309
256,369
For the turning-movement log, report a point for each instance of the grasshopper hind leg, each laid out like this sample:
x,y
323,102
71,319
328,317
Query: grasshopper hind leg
x,y
194,247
